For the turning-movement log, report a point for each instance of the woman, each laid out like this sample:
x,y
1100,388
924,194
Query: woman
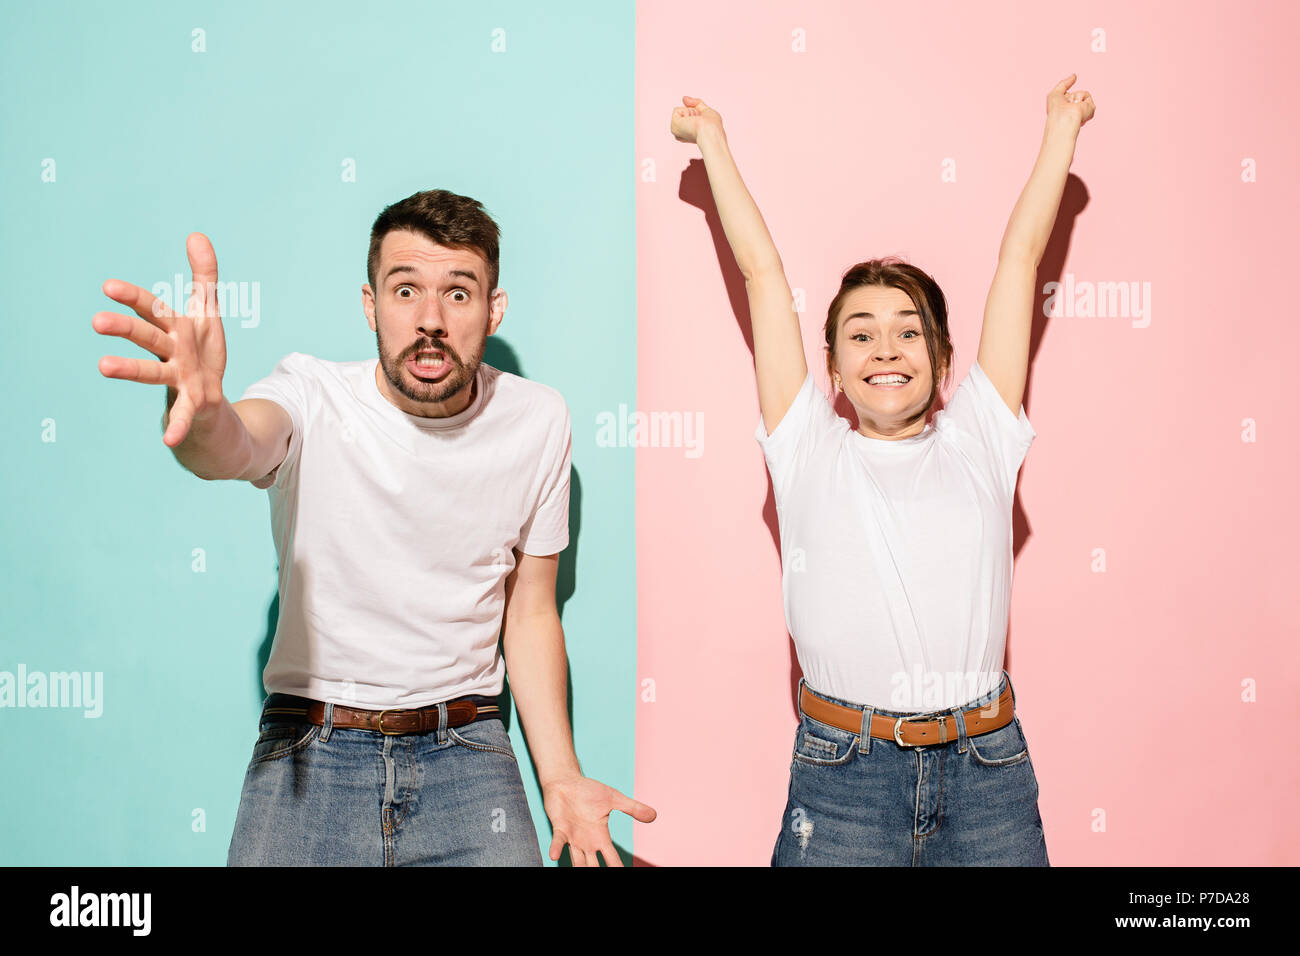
x,y
896,536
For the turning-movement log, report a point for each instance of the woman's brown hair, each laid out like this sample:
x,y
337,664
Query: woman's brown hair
x,y
927,298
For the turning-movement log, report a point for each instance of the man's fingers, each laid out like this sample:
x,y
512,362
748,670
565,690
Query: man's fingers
x,y
641,812
557,845
145,371
611,855
147,336
178,422
203,265
145,304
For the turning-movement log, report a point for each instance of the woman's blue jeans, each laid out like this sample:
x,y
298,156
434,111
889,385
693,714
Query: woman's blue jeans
x,y
322,795
858,801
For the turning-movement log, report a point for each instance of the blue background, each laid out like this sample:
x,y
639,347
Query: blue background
x,y
245,142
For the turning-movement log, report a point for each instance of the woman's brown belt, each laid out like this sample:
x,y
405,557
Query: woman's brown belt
x,y
922,730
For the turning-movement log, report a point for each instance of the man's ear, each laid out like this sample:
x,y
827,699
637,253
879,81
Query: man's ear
x,y
497,303
368,305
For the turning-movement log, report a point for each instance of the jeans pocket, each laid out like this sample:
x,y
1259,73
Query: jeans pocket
x,y
1004,747
821,745
280,738
485,736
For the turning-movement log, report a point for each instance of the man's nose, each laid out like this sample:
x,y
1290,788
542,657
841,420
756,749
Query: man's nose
x,y
431,322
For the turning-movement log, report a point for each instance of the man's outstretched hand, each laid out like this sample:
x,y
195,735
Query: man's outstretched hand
x,y
192,346
579,808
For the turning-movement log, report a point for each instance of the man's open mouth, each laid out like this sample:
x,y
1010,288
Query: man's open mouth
x,y
429,363
430,359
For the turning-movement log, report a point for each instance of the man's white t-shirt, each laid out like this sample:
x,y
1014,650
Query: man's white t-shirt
x,y
896,555
395,533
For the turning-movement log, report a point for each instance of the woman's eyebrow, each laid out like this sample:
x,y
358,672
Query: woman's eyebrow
x,y
908,313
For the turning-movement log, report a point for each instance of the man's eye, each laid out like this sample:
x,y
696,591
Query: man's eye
x,y
463,293
402,288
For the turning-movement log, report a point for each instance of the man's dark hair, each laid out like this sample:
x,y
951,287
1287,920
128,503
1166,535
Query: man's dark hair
x,y
444,218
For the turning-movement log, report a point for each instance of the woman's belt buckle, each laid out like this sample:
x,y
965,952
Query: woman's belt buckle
x,y
898,728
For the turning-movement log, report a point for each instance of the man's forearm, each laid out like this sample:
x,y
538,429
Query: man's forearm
x,y
537,667
216,447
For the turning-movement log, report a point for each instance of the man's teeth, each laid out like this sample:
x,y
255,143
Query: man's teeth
x,y
428,360
886,379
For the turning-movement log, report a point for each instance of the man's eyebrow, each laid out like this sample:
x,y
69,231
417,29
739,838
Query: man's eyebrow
x,y
462,273
396,269
909,313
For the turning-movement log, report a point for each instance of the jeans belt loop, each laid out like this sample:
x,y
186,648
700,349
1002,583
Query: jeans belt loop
x,y
960,716
864,732
327,727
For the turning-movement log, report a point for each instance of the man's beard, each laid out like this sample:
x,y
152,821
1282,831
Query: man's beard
x,y
418,390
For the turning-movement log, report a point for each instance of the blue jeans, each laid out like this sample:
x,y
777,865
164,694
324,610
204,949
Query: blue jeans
x,y
327,796
868,802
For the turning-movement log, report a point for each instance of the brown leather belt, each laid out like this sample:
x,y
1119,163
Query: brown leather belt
x,y
911,731
390,723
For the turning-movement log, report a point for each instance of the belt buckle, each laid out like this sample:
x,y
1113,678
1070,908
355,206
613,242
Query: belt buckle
x,y
898,728
386,733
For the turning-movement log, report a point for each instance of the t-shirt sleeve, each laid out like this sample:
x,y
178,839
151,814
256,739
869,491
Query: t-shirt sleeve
x,y
547,529
287,387
809,419
978,411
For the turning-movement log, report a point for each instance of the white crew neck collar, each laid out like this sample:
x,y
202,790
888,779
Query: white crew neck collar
x,y
920,438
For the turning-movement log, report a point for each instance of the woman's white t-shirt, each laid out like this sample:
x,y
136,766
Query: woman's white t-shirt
x,y
896,555
395,532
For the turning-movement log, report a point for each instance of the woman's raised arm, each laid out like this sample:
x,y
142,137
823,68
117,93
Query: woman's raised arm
x,y
1009,309
779,363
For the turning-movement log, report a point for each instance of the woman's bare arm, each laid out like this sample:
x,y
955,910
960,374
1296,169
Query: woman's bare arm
x,y
1008,312
779,363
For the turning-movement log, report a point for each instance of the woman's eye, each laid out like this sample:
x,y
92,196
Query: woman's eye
x,y
860,337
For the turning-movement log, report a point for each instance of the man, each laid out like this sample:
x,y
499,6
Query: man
x,y
419,502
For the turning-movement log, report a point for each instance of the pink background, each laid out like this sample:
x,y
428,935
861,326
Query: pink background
x,y
1129,682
